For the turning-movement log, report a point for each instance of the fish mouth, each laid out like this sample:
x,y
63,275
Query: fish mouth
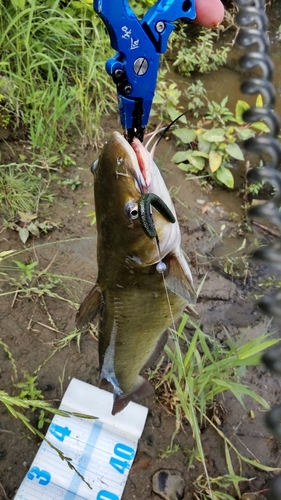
x,y
144,160
139,160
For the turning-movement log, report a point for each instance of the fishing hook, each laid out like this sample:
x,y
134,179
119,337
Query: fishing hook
x,y
252,20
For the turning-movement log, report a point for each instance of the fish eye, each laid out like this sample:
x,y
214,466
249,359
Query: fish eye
x,y
131,210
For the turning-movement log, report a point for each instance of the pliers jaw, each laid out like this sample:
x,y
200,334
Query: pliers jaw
x,y
131,110
139,44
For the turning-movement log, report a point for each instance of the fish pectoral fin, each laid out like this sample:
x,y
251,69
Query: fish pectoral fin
x,y
179,280
144,390
90,307
157,351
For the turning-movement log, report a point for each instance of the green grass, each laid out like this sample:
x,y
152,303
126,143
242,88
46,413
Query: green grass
x,y
201,370
26,280
52,70
21,188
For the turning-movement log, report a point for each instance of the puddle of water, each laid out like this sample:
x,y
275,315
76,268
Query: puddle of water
x,y
226,80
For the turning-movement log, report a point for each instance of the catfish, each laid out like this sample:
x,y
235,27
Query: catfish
x,y
144,282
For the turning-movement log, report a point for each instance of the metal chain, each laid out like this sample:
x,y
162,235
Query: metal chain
x,y
252,20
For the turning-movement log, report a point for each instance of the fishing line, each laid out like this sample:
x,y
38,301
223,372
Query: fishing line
x,y
165,285
176,340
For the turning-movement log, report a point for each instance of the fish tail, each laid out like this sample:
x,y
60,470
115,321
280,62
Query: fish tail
x,y
144,390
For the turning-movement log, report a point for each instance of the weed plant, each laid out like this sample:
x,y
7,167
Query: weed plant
x,y
213,143
21,188
53,69
199,371
201,56
26,280
30,399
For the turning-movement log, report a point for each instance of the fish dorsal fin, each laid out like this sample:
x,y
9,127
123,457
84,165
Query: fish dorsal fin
x,y
90,307
179,280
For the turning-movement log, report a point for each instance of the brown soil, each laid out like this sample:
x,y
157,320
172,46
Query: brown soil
x,y
31,325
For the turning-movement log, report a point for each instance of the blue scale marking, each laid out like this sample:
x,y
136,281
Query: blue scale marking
x,y
84,461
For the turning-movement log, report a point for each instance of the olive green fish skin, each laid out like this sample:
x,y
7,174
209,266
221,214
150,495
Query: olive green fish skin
x,y
130,297
140,312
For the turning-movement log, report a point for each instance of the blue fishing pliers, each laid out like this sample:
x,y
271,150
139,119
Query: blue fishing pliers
x,y
139,44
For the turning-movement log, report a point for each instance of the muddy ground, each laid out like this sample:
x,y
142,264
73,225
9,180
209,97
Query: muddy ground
x,y
31,326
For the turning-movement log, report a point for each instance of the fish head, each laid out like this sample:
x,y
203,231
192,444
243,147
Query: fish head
x,y
122,175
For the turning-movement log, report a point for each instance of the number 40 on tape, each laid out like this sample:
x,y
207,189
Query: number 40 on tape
x,y
101,450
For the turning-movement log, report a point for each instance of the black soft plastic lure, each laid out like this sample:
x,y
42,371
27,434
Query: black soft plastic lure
x,y
145,203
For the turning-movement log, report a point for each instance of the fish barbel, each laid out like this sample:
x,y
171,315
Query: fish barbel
x,y
134,302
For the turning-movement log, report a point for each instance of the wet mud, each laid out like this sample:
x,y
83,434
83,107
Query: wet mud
x,y
32,326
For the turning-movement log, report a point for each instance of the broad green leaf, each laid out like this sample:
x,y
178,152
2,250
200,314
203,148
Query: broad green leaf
x,y
180,156
214,135
196,160
172,111
182,119
224,101
225,176
198,153
261,126
158,99
203,145
240,107
186,167
33,229
23,234
235,151
185,134
26,217
215,160
259,101
244,133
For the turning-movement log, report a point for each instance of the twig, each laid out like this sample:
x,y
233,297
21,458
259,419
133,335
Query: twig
x,y
48,314
246,448
266,229
4,492
15,298
32,315
49,327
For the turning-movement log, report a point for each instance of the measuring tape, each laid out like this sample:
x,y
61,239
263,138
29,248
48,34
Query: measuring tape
x,y
101,450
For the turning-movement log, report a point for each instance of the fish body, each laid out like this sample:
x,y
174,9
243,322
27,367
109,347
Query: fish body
x,y
134,302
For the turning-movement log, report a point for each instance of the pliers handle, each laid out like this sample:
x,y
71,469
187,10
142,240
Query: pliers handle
x,y
139,44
